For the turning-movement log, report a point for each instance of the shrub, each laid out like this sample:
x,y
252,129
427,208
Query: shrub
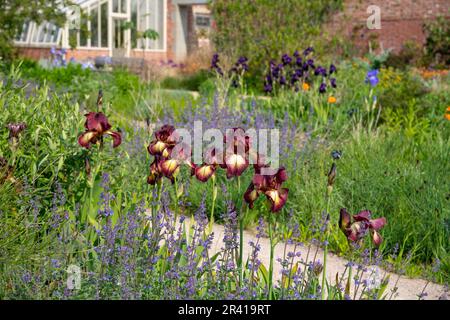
x,y
438,42
266,29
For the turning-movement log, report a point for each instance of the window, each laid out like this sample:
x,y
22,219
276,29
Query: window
x,y
119,6
94,27
104,24
202,20
46,33
96,30
84,32
134,21
150,15
23,36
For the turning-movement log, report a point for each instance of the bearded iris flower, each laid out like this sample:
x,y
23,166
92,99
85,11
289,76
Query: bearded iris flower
x,y
270,186
167,158
165,141
203,172
332,69
372,77
333,82
206,170
15,129
361,225
235,158
96,126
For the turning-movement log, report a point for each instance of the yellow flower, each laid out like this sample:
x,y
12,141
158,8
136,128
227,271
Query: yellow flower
x,y
305,86
331,99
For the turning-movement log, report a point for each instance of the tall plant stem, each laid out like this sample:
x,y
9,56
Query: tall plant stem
x,y
325,250
272,249
241,245
214,193
177,207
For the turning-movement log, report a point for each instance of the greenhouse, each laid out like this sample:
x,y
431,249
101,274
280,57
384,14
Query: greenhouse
x,y
122,28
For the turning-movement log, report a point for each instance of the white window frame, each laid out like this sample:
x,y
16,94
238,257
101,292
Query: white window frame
x,y
164,48
63,32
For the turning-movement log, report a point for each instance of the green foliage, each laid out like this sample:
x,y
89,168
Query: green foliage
x,y
266,29
399,170
13,14
438,42
190,82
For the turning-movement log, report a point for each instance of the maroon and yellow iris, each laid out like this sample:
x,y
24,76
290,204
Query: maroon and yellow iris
x,y
165,140
97,126
361,225
235,157
168,158
270,186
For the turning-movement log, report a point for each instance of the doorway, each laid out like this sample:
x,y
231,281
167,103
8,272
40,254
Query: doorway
x,y
119,38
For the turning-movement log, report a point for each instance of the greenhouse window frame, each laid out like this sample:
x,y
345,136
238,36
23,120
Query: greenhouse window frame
x,y
62,39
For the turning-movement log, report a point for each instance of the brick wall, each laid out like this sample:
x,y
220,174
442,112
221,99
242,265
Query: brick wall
x,y
401,21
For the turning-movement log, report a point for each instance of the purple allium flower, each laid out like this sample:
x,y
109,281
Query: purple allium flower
x,y
372,77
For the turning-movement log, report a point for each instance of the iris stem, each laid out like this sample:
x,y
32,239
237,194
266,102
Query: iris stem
x,y
177,207
211,220
325,250
241,245
272,247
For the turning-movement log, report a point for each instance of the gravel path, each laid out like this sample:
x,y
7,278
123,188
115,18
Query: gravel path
x,y
408,289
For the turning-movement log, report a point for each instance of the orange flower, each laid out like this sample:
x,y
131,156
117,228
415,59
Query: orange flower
x,y
331,99
305,86
447,116
448,109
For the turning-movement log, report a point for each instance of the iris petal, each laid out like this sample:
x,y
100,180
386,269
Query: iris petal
x,y
87,138
251,195
168,167
203,173
117,138
344,219
377,224
377,238
156,147
97,121
278,198
236,165
362,216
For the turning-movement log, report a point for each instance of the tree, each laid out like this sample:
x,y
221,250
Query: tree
x,y
14,13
